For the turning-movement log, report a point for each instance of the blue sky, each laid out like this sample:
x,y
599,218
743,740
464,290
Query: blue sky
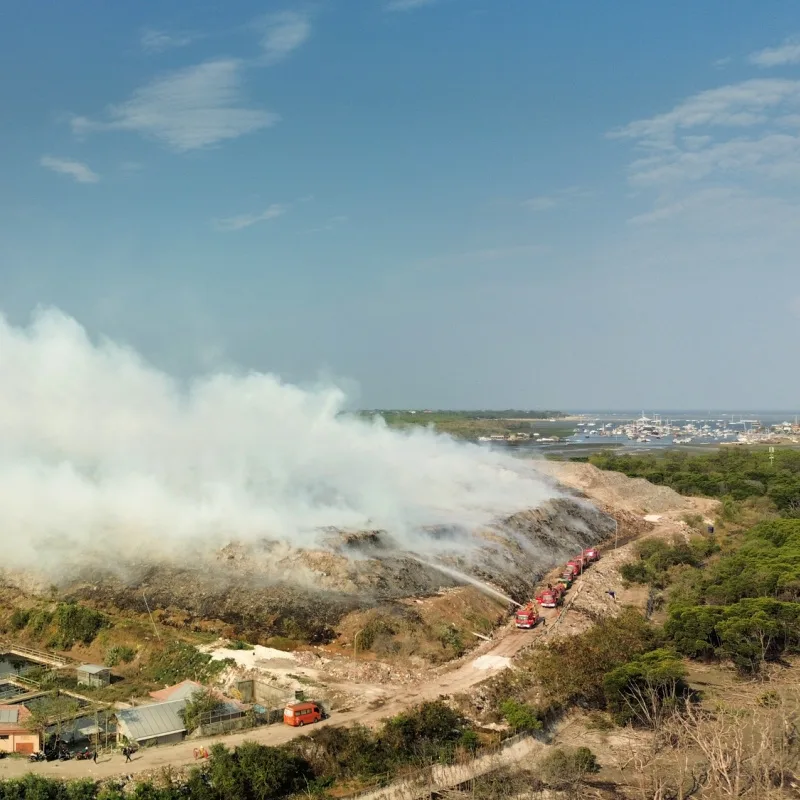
x,y
451,203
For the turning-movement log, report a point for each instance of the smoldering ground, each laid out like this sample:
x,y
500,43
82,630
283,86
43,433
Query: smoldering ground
x,y
106,461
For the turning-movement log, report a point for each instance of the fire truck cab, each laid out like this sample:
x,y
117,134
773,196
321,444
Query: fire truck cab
x,y
527,617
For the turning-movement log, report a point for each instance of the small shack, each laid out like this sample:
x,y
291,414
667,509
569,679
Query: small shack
x,y
157,723
93,675
15,736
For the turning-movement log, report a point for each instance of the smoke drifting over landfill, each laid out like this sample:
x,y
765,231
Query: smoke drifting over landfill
x,y
104,458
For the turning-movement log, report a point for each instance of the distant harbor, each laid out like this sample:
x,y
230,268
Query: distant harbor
x,y
645,430
599,431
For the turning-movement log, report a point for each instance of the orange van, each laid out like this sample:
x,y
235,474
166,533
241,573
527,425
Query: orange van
x,y
299,714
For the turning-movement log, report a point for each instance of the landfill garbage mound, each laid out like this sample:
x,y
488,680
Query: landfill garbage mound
x,y
273,589
614,489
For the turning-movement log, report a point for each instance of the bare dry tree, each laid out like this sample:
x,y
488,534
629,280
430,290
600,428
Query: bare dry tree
x,y
750,753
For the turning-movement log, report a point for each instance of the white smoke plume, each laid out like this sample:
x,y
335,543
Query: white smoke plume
x,y
104,456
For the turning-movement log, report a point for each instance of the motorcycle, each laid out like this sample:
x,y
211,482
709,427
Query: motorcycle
x,y
84,755
40,756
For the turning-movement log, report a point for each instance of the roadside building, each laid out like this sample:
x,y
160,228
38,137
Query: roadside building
x,y
15,736
93,675
157,723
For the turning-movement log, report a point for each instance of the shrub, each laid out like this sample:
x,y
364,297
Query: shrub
x,y
76,623
635,572
428,732
347,753
657,559
119,654
376,630
238,644
39,622
520,716
567,769
180,661
452,639
19,619
257,771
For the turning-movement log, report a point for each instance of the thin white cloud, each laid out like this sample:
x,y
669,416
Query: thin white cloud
x,y
487,255
786,53
687,205
749,127
155,41
74,169
546,202
331,224
283,33
737,105
541,203
408,5
237,223
131,167
188,109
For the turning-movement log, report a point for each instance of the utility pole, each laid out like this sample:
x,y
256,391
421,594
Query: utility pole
x,y
355,643
155,630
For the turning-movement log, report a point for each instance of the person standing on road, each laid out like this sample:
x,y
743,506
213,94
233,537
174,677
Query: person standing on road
x,y
94,756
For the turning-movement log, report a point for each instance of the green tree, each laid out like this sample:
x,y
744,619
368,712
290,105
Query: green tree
x,y
200,706
572,670
646,688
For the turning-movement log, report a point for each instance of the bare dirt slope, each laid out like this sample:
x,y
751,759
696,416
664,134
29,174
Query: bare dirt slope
x,y
618,492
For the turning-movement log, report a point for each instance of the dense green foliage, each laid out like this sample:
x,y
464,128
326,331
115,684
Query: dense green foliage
x,y
744,605
180,661
471,424
657,558
77,623
520,716
737,473
505,414
61,626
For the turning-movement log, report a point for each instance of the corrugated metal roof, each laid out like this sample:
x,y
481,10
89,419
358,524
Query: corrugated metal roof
x,y
92,669
148,722
9,716
180,691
